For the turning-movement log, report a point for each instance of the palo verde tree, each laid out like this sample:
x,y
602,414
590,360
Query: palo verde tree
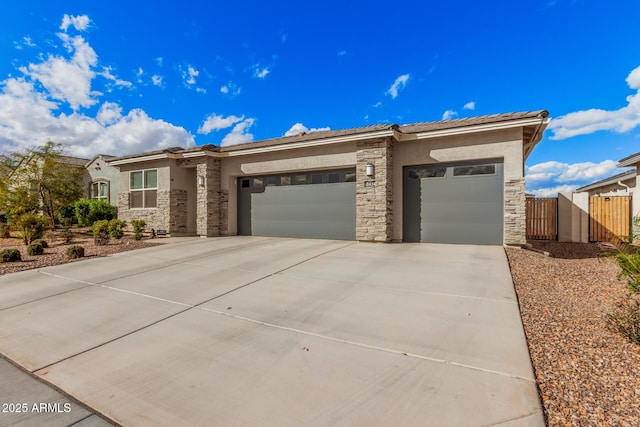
x,y
40,180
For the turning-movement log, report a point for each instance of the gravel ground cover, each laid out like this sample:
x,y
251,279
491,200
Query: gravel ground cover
x,y
587,375
56,252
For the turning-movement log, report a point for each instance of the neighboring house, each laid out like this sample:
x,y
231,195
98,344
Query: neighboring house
x,y
452,181
102,181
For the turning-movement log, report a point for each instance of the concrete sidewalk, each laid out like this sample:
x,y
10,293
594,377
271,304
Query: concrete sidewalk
x,y
268,331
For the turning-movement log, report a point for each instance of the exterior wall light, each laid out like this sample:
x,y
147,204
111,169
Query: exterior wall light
x,y
370,170
200,181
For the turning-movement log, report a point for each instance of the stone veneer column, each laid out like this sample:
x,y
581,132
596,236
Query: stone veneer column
x,y
374,219
514,212
208,197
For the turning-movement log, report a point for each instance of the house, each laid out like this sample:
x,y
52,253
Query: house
x,y
451,181
101,180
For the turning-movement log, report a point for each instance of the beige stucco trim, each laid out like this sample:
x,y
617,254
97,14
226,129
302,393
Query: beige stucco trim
x,y
474,129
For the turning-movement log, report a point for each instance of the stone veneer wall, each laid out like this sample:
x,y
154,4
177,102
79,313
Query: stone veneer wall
x,y
374,194
514,212
224,212
157,218
208,197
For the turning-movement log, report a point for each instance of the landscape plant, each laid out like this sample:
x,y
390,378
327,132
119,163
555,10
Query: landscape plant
x,y
35,248
101,232
625,319
75,251
89,211
5,231
116,228
10,255
31,227
138,227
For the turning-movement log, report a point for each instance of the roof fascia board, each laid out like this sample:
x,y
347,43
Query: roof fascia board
x,y
610,181
200,154
144,159
312,143
629,162
479,128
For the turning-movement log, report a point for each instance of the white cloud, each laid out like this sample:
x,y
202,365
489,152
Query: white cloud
x,y
377,104
589,121
471,105
106,73
160,61
449,114
109,113
553,191
68,80
342,53
260,72
299,128
157,80
230,89
399,84
240,133
189,76
216,122
564,172
30,109
80,22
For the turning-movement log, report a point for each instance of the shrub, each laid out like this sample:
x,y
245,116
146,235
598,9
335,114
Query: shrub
x,y
43,242
67,234
89,211
75,251
5,231
35,248
138,227
630,268
10,255
116,228
82,208
625,319
66,213
31,227
101,232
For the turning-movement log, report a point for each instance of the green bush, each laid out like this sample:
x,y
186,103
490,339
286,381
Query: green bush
x,y
35,248
89,211
10,255
43,242
66,213
75,251
5,231
66,233
630,268
625,319
82,209
138,227
31,227
116,228
101,232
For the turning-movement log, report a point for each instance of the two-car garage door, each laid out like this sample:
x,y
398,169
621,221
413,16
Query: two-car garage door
x,y
454,203
319,204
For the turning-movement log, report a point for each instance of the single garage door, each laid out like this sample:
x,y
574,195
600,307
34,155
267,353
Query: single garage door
x,y
454,203
319,204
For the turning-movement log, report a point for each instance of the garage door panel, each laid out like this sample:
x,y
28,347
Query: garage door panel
x,y
453,209
309,211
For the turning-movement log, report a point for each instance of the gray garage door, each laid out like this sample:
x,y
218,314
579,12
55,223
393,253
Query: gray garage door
x,y
310,205
454,203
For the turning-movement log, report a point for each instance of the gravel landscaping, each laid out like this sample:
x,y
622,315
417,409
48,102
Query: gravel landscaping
x,y
587,375
55,253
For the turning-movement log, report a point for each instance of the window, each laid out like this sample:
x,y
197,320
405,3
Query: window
x,y
257,183
285,180
316,178
100,190
143,189
334,177
272,181
301,179
428,172
474,170
350,177
246,183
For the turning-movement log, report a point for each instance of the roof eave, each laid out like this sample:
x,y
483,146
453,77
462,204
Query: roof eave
x,y
628,162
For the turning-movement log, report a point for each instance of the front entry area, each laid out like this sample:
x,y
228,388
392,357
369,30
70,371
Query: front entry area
x,y
318,204
454,203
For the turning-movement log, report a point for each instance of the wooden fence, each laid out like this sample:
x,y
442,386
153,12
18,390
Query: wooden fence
x,y
609,217
542,218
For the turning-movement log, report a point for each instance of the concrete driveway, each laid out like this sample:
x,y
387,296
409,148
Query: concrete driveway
x,y
270,331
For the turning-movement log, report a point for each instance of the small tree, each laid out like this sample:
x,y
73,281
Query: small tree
x,y
31,227
138,227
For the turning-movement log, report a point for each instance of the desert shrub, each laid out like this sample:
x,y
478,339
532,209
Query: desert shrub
x,y
630,269
43,242
5,231
31,227
89,211
75,251
138,227
66,213
116,228
625,319
101,232
10,255
35,248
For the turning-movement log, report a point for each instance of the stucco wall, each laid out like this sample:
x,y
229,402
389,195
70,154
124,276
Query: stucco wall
x,y
100,170
313,158
505,144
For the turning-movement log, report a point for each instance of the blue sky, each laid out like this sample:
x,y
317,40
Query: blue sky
x,y
122,77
